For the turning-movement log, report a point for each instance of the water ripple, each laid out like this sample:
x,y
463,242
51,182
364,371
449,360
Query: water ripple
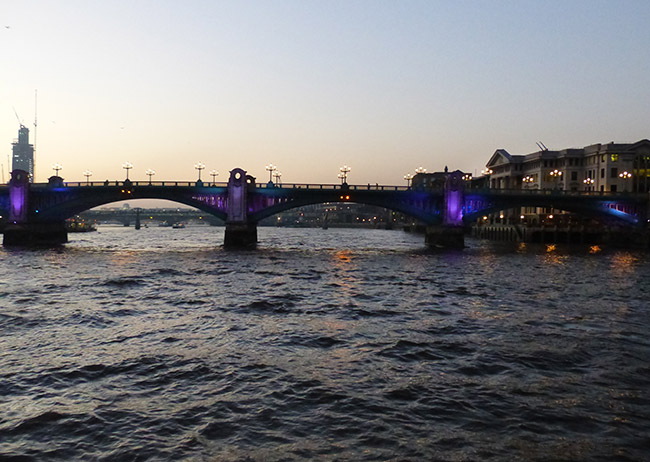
x,y
344,345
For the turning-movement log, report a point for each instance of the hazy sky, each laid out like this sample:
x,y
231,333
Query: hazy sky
x,y
383,86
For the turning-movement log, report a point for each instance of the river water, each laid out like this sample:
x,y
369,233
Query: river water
x,y
334,344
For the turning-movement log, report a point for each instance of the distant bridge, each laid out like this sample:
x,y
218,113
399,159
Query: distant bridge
x,y
35,213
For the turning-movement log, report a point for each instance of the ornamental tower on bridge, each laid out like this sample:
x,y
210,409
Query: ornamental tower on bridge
x,y
23,153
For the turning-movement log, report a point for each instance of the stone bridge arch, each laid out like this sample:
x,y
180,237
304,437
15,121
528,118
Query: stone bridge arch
x,y
623,209
420,206
74,200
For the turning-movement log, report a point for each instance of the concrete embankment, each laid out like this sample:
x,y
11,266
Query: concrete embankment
x,y
563,235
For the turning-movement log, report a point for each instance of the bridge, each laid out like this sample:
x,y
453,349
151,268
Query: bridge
x,y
34,213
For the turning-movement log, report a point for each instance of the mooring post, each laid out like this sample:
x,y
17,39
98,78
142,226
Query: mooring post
x,y
240,231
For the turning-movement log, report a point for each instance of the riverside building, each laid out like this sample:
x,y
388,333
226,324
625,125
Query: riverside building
x,y
599,168
613,167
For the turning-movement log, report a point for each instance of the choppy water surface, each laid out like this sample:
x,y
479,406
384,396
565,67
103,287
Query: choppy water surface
x,y
321,345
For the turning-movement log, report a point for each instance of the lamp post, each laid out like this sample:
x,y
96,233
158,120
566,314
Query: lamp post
x,y
420,170
344,174
88,174
149,173
486,172
588,183
271,168
467,177
625,176
57,168
214,174
408,177
127,166
527,180
199,166
277,175
556,174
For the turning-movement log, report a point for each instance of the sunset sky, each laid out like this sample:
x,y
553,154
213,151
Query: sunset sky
x,y
382,86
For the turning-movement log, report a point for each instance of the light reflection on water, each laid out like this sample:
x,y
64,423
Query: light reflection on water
x,y
338,344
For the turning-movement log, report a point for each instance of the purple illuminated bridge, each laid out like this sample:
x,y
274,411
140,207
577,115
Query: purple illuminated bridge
x,y
34,214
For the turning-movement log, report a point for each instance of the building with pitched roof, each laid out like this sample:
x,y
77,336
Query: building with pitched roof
x,y
613,167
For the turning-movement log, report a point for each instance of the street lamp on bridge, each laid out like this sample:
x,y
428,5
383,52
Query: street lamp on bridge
x,y
420,170
556,174
214,174
127,166
271,168
344,174
199,166
88,174
408,177
625,176
57,168
149,173
277,175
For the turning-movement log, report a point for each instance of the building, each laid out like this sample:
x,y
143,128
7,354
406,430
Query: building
x,y
23,153
599,168
613,167
429,181
435,181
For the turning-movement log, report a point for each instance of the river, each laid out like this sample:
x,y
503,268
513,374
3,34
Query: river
x,y
336,344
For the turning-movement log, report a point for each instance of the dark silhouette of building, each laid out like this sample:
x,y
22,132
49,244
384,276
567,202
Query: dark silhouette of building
x,y
23,153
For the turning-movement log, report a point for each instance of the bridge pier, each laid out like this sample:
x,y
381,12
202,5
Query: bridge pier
x,y
240,235
448,237
22,228
451,233
34,234
241,231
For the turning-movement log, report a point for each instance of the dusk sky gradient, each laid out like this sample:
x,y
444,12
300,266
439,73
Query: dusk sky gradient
x,y
382,86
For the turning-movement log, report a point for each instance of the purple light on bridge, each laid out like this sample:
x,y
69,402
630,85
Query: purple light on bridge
x,y
454,199
454,215
18,197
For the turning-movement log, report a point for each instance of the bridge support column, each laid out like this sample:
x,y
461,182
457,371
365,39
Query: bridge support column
x,y
451,234
21,228
240,231
240,235
448,237
35,234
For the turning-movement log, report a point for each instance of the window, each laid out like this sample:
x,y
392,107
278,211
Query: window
x,y
614,157
602,173
614,173
612,188
574,176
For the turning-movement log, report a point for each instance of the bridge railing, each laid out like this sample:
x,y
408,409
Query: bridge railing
x,y
310,186
330,187
95,184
